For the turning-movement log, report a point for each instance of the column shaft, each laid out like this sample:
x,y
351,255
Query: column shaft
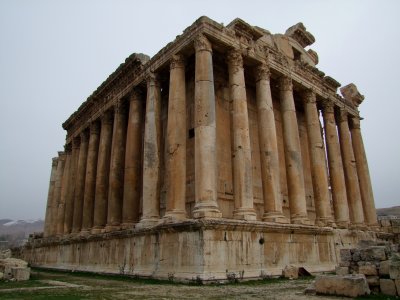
x,y
47,219
90,178
350,171
133,161
103,169
56,194
364,178
176,141
80,183
242,169
64,192
205,133
268,148
336,172
69,201
116,182
152,154
294,164
318,162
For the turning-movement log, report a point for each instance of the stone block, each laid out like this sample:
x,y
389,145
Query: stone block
x,y
291,272
342,270
384,268
345,255
397,284
373,253
388,287
368,270
356,256
344,264
348,285
20,273
394,270
373,281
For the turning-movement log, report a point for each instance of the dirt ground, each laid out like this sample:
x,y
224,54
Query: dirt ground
x,y
59,285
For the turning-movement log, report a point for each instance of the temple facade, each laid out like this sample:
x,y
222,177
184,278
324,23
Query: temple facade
x,y
228,151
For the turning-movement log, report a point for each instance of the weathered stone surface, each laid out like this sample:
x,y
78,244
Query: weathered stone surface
x,y
384,268
373,281
5,254
345,254
7,265
373,253
348,285
368,270
397,284
291,272
388,287
394,270
342,270
20,273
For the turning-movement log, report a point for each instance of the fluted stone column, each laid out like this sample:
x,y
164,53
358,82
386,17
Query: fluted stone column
x,y
241,152
319,169
64,191
268,148
205,133
80,183
336,171
103,169
90,178
176,142
47,219
69,204
152,154
363,174
116,182
56,194
294,164
133,161
350,171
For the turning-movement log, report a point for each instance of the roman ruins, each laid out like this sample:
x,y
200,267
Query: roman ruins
x,y
228,152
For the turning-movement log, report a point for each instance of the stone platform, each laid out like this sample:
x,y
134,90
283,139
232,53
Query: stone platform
x,y
206,250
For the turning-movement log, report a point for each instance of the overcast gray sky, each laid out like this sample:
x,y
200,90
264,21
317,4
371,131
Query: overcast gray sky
x,y
54,54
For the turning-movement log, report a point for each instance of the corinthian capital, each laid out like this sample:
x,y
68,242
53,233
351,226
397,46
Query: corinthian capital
x,y
235,58
309,96
355,122
177,61
328,106
262,72
285,83
201,43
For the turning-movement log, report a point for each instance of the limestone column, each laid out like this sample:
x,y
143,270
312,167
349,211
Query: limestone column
x,y
90,178
336,171
152,154
242,169
64,191
103,169
56,194
69,201
268,148
47,219
133,161
80,183
350,171
116,181
205,133
363,173
176,141
294,164
318,162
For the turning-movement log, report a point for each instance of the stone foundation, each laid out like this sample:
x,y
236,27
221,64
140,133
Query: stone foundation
x,y
204,250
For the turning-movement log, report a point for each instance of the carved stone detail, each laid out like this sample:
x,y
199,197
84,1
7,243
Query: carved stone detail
x,y
201,43
262,72
235,58
285,83
177,61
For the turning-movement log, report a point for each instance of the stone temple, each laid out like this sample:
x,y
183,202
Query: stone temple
x,y
228,152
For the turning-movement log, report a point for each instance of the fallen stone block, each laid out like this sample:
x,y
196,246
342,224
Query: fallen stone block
x,y
384,268
368,270
347,285
291,272
342,270
20,273
388,287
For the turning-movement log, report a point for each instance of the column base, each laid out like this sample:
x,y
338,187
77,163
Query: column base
x,y
301,220
342,224
112,227
325,222
147,222
247,214
97,230
85,232
174,215
275,217
128,225
358,226
206,210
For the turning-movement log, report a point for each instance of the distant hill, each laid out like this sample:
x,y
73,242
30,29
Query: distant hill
x,y
14,233
389,211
